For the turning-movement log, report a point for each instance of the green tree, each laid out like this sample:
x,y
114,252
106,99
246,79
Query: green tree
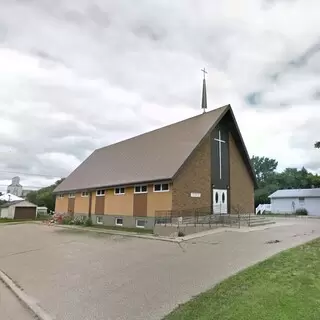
x,y
317,145
269,180
264,169
44,197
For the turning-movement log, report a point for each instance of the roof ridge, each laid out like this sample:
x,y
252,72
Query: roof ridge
x,y
166,126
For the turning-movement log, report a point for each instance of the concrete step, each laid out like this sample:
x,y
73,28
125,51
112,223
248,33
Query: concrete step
x,y
261,223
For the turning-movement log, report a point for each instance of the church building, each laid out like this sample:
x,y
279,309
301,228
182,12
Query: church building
x,y
200,163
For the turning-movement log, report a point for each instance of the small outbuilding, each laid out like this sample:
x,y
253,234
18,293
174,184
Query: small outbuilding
x,y
42,210
18,210
290,200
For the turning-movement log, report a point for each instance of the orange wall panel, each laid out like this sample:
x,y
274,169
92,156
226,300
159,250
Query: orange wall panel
x,y
119,204
159,200
61,204
81,204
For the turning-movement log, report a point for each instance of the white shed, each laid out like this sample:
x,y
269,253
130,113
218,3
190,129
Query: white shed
x,y
19,209
289,200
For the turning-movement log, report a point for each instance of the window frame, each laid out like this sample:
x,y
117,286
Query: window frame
x,y
99,222
119,193
100,195
161,187
140,186
141,227
72,195
84,194
60,196
301,201
118,224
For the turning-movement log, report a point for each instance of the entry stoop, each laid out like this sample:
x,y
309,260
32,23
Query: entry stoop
x,y
256,221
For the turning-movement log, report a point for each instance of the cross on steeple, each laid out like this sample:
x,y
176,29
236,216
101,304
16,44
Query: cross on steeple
x,y
204,72
204,91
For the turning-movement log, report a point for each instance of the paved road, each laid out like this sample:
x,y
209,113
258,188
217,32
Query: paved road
x,y
80,276
10,307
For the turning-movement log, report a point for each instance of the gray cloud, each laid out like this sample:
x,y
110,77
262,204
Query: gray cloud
x,y
306,56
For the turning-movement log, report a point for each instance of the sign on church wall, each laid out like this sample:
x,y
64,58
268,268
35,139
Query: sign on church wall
x,y
195,195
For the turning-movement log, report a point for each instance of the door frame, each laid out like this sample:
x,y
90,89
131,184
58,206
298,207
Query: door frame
x,y
225,203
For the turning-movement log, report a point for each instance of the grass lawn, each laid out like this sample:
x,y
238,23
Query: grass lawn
x,y
5,220
284,287
136,230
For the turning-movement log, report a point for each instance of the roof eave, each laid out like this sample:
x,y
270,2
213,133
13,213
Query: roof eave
x,y
249,164
131,184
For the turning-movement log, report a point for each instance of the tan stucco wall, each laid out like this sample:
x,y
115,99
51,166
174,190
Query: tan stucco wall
x,y
61,204
158,200
119,204
194,176
81,205
241,184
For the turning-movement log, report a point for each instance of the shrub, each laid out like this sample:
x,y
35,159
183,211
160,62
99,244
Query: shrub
x,y
88,222
302,212
78,221
66,220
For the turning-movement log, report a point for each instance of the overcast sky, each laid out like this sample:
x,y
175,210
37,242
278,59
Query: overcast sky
x,y
80,74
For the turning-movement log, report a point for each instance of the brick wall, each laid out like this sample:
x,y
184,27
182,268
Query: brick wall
x,y
241,184
194,176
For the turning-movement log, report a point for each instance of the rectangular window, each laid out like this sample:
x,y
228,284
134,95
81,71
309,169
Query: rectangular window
x,y
99,220
140,223
141,189
161,187
84,194
301,200
118,190
72,195
100,193
60,196
119,222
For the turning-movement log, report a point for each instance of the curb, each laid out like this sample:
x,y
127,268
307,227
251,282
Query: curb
x,y
124,234
28,301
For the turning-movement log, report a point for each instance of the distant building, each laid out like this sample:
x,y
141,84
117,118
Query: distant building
x,y
16,188
290,200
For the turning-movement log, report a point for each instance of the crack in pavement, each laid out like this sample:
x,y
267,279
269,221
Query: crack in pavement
x,y
33,250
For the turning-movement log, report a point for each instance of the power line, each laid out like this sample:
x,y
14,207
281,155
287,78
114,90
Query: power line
x,y
30,174
32,187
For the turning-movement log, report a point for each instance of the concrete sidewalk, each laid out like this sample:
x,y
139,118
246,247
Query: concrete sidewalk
x,y
10,306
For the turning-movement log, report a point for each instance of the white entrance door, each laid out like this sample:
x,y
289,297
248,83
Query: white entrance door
x,y
220,201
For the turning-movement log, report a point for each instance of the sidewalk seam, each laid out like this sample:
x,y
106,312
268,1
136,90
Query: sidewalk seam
x,y
26,300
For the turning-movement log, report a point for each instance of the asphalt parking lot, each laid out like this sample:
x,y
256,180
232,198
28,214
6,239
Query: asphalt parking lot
x,y
78,275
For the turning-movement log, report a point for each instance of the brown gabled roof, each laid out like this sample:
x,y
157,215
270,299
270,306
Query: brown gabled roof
x,y
152,156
